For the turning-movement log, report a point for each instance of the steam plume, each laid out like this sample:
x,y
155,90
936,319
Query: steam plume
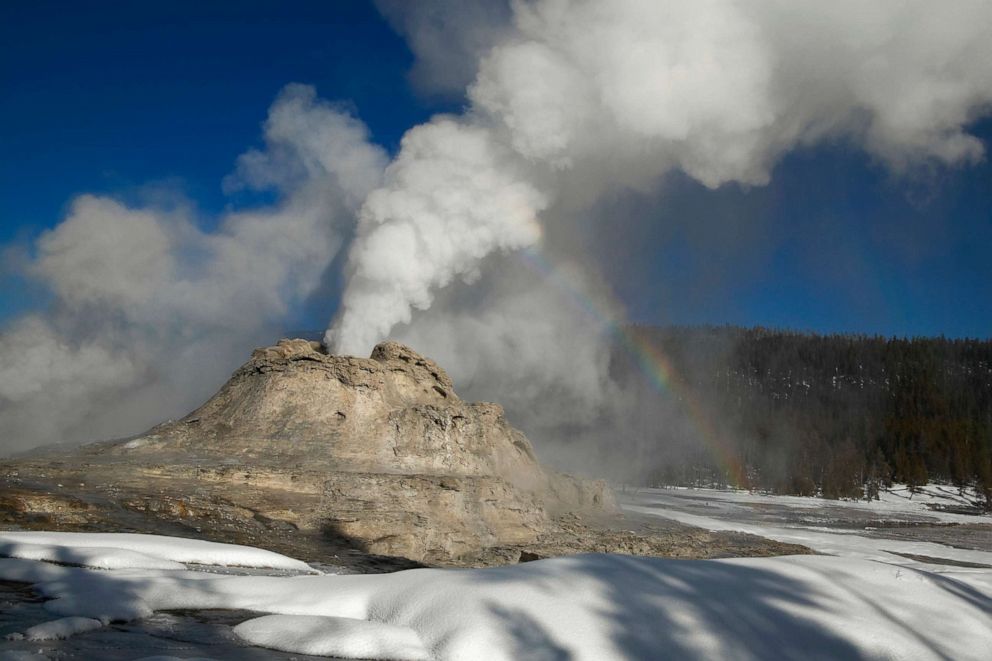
x,y
580,98
577,100
150,311
450,198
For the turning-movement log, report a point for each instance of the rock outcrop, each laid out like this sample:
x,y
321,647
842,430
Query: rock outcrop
x,y
374,463
394,413
378,452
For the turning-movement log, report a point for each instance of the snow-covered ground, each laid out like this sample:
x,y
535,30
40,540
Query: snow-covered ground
x,y
581,607
900,529
927,503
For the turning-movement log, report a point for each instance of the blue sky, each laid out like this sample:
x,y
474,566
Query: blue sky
x,y
115,99
136,95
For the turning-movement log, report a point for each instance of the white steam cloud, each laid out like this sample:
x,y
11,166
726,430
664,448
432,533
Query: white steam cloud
x,y
450,198
583,97
150,312
573,100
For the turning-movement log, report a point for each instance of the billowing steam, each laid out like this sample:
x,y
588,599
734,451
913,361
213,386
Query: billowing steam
x,y
150,312
573,101
451,197
570,102
583,97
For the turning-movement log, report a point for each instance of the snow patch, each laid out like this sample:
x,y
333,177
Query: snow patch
x,y
159,657
174,549
342,637
61,628
98,558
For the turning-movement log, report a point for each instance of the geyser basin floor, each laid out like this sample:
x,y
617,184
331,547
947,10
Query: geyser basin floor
x,y
898,530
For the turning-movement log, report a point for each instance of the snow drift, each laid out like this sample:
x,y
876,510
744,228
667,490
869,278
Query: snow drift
x,y
582,607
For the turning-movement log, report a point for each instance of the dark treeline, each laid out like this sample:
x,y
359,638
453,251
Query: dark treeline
x,y
798,413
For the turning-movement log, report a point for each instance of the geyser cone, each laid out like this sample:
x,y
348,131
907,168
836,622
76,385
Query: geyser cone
x,y
395,412
377,452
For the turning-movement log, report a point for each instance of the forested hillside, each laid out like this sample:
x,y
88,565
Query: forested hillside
x,y
802,413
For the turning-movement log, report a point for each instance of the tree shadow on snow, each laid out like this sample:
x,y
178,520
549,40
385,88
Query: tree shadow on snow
x,y
529,639
736,611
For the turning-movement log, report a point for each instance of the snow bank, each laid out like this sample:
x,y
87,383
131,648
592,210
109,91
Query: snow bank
x,y
333,636
582,607
98,558
61,628
172,549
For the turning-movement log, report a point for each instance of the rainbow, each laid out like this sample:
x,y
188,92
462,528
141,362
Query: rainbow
x,y
650,360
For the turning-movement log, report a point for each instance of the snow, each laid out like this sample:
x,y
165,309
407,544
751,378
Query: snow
x,y
166,657
898,500
595,607
124,546
342,637
61,628
722,512
98,558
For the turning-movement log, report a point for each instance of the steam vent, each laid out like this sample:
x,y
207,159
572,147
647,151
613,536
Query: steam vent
x,y
378,454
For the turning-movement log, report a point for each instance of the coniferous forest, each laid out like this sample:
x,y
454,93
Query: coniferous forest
x,y
798,413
